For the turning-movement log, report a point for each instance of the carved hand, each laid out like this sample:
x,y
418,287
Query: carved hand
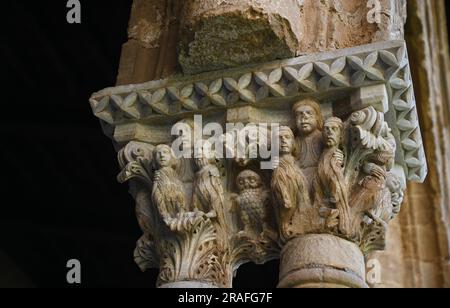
x,y
288,204
211,214
338,156
325,212
375,171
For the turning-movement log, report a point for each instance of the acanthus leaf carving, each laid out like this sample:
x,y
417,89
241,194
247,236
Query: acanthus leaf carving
x,y
201,220
194,242
343,185
354,191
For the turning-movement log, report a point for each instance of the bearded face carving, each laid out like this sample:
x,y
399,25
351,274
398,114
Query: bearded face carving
x,y
309,123
289,187
331,189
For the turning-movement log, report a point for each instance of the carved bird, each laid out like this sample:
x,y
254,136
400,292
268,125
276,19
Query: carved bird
x,y
252,202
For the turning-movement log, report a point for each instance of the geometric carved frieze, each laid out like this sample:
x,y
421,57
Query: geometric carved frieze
x,y
348,139
322,76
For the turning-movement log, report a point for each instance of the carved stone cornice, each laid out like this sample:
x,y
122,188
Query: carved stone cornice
x,y
269,85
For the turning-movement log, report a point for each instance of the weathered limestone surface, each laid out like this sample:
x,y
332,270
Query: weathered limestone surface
x,y
358,145
308,263
151,52
228,33
420,238
206,35
349,141
219,34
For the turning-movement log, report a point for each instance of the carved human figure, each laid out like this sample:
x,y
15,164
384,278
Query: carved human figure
x,y
385,205
185,144
368,129
209,192
379,163
309,122
168,193
253,202
389,202
397,191
289,186
331,188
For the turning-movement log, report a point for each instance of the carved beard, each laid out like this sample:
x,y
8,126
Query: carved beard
x,y
334,188
310,148
289,186
168,193
209,194
329,173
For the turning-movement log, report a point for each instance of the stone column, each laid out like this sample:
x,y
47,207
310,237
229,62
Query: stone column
x,y
322,261
418,242
343,132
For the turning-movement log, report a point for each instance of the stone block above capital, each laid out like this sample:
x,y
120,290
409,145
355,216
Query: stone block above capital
x,y
375,96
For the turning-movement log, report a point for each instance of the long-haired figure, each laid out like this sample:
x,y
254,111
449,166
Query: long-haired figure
x,y
289,187
168,192
331,189
209,192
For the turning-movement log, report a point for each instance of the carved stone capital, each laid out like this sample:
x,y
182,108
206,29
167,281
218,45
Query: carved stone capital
x,y
189,240
348,142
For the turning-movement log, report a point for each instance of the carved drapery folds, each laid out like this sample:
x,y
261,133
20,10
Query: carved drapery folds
x,y
348,141
340,182
348,189
196,242
322,74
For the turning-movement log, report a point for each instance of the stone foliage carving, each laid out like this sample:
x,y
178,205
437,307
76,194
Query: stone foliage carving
x,y
342,167
268,84
195,241
334,176
350,189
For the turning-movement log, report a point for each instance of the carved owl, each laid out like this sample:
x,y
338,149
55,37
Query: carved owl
x,y
252,202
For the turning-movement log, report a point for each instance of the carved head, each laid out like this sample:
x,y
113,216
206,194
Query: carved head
x,y
248,180
185,131
206,155
308,116
332,132
287,140
163,156
397,189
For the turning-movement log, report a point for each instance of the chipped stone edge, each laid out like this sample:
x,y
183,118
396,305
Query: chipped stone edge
x,y
271,83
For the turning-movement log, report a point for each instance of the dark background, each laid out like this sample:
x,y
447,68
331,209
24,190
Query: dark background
x,y
60,198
